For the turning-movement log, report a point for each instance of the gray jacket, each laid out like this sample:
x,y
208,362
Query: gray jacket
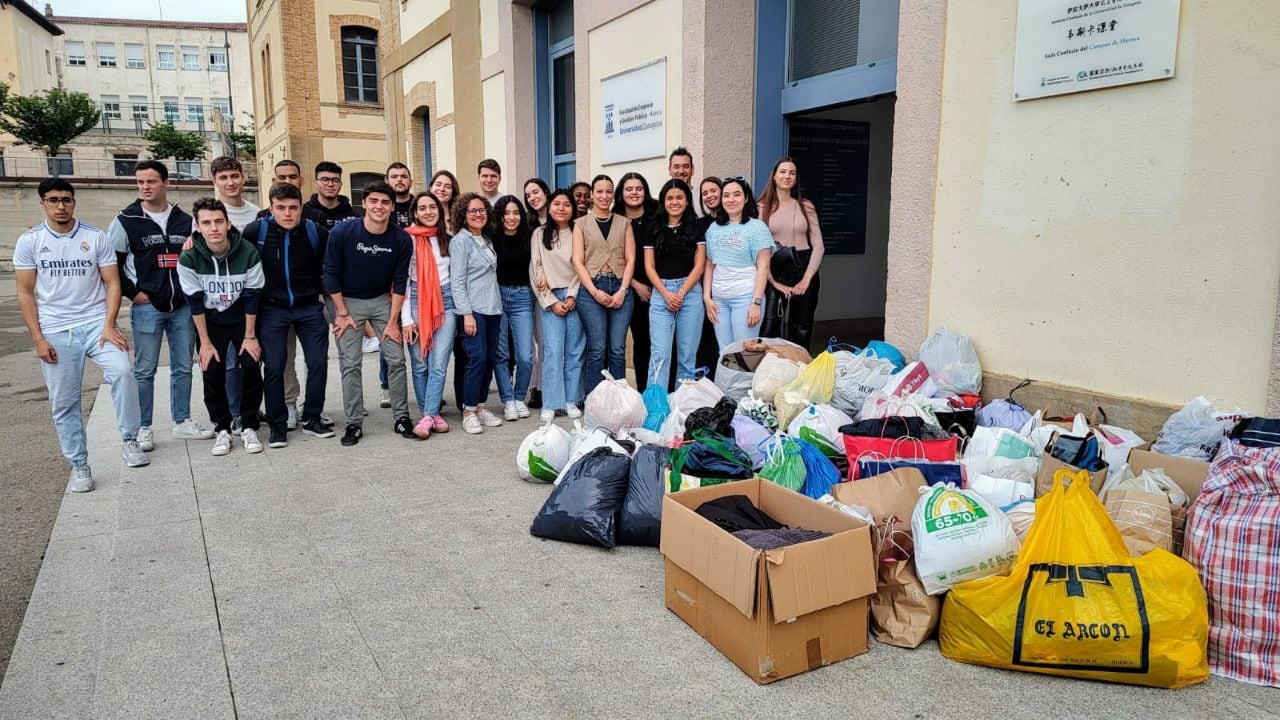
x,y
473,275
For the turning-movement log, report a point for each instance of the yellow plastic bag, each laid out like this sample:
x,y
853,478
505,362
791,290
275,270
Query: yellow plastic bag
x,y
1076,604
815,384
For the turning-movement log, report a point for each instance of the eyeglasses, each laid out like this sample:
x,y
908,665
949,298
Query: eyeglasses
x,y
329,180
477,211
734,177
59,201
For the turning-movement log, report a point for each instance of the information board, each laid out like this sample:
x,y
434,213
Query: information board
x,y
832,159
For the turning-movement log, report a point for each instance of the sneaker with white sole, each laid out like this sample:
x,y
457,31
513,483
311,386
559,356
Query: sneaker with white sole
x,y
133,454
249,438
370,345
221,444
488,418
81,479
146,439
509,412
384,398
547,415
291,420
317,428
191,430
471,424
572,411
277,438
522,410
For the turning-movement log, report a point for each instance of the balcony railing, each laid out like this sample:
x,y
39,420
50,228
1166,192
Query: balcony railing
x,y
125,118
74,168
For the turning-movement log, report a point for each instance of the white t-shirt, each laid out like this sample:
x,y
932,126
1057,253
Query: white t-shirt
x,y
243,215
69,288
160,218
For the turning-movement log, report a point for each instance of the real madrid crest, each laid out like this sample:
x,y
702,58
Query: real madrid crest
x,y
84,246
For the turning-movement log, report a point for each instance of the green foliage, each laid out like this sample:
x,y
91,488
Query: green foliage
x,y
245,139
47,120
167,141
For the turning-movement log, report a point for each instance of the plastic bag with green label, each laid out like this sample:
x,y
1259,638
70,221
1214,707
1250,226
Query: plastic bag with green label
x,y
543,453
959,536
819,425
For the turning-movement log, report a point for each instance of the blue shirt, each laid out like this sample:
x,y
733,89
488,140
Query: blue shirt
x,y
738,244
360,264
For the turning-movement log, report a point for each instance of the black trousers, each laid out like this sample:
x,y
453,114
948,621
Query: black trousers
x,y
800,311
708,349
215,379
640,342
312,329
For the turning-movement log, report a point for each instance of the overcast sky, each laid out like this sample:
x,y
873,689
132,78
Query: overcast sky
x,y
209,11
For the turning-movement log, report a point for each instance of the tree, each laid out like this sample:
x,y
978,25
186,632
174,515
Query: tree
x,y
244,139
48,120
167,141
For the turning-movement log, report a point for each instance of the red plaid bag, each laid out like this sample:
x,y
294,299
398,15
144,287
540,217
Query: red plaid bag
x,y
1233,540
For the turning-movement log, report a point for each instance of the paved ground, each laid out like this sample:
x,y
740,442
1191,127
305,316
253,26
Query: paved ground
x,y
398,580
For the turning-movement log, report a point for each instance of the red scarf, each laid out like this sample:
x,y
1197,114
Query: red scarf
x,y
430,301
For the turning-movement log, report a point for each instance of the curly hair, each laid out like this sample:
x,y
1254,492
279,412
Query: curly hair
x,y
460,211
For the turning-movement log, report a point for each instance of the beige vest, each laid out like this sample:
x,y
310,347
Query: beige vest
x,y
599,250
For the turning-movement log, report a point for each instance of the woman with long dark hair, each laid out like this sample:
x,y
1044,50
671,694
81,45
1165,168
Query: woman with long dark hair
x,y
510,233
738,249
634,202
604,258
709,199
426,316
535,201
793,221
473,277
445,187
675,256
556,283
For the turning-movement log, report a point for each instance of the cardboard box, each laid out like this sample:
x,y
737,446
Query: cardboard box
x,y
774,613
1188,473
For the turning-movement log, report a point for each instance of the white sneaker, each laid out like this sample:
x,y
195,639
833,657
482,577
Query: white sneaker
x,y
81,479
191,430
370,345
384,399
222,445
133,454
471,424
292,421
547,415
572,411
488,418
510,413
249,438
522,410
146,439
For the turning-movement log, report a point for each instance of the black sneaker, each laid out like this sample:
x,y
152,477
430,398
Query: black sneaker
x,y
352,435
404,426
535,399
279,437
317,428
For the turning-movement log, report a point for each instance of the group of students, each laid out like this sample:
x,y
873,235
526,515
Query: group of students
x,y
538,292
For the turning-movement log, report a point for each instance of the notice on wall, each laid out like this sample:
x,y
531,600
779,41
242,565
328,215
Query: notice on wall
x,y
635,105
1067,46
832,158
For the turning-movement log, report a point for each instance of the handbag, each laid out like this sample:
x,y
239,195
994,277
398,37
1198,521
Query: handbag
x,y
787,264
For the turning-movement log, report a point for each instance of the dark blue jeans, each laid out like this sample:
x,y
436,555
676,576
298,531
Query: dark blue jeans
x,y
482,352
312,329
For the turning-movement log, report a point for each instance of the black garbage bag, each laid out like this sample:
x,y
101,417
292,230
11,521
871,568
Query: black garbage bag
x,y
640,522
583,508
959,421
718,419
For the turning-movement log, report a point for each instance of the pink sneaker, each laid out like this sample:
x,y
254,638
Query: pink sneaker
x,y
438,424
423,428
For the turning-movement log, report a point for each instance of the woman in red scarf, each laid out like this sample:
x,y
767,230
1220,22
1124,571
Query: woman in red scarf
x,y
427,315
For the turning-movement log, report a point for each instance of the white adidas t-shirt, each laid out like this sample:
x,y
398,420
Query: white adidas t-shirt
x,y
69,288
243,215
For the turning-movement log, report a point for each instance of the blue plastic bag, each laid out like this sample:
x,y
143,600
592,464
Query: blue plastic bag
x,y
655,402
820,472
885,351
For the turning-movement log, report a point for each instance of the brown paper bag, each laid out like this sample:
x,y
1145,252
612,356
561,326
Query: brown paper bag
x,y
1050,465
1145,520
890,497
902,613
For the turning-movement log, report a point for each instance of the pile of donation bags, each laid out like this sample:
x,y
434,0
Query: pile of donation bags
x,y
969,506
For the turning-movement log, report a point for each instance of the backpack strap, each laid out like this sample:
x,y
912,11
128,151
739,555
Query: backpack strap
x,y
313,236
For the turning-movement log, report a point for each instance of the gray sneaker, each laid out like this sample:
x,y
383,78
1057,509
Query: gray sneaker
x,y
146,439
81,479
133,454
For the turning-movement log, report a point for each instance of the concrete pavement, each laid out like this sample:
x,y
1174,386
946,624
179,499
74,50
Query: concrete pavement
x,y
398,579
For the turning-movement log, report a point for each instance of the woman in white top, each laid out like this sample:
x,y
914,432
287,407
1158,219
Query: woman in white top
x,y
738,249
427,317
556,283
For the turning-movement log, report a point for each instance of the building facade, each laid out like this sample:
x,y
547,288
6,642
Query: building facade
x,y
316,85
27,48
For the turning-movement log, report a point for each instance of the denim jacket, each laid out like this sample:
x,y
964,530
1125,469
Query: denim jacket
x,y
473,275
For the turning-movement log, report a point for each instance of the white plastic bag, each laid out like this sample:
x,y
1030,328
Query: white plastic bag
x,y
912,379
544,453
960,536
952,362
773,372
1196,430
734,381
857,376
584,441
819,425
1021,514
855,511
750,436
672,428
990,442
613,405
694,394
1154,481
880,405
1004,486
641,436
1114,443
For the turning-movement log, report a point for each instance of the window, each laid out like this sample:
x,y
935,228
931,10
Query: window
x,y
268,99
360,181
195,110
360,64
554,56
190,58
48,62
189,168
170,109
218,59
134,57
61,164
139,105
824,36
165,57
106,54
222,105
125,163
75,53
111,107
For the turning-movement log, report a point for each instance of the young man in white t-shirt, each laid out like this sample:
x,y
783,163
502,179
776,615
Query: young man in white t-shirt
x,y
69,294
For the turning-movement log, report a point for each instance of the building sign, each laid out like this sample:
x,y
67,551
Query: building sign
x,y
634,106
832,158
1067,46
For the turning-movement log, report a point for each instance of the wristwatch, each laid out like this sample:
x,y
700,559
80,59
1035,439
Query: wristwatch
x,y
758,301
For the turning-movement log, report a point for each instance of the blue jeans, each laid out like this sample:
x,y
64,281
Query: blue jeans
x,y
684,324
482,350
64,379
517,321
150,326
429,373
732,320
563,345
606,331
